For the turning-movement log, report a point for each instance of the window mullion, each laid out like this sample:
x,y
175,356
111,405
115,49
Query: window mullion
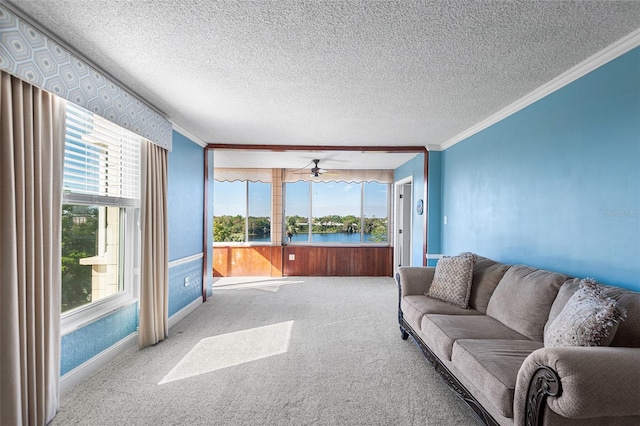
x,y
310,215
246,211
362,212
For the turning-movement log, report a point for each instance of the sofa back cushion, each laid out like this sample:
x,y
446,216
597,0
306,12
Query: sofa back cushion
x,y
628,332
487,274
523,299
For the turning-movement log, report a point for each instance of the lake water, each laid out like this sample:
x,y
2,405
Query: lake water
x,y
338,237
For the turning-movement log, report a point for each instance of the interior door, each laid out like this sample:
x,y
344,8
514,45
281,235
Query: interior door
x,y
402,252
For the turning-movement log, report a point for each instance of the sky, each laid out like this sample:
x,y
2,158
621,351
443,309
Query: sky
x,y
329,198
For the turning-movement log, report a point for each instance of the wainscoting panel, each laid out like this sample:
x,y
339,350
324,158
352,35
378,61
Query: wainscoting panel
x,y
185,283
85,343
337,261
275,261
255,261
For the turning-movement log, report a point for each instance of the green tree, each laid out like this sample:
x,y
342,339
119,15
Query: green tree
x,y
377,228
350,223
79,227
228,228
259,226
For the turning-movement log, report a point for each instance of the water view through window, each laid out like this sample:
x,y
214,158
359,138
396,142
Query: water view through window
x,y
339,212
231,200
314,212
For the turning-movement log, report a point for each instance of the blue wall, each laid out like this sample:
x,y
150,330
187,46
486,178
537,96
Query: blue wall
x,y
181,291
85,343
434,195
414,168
556,185
185,197
186,221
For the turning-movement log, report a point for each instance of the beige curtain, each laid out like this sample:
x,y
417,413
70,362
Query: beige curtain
x,y
31,150
154,274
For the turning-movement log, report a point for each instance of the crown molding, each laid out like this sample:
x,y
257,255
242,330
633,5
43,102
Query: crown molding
x,y
611,52
189,135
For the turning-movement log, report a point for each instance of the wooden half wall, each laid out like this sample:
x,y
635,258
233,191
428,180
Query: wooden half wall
x,y
300,260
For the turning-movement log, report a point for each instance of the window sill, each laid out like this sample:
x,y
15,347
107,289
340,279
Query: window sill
x,y
249,244
355,245
75,320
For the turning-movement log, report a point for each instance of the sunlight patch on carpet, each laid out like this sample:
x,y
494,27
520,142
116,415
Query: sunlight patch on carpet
x,y
258,283
228,350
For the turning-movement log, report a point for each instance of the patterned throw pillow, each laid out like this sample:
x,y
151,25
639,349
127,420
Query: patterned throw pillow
x,y
452,280
588,319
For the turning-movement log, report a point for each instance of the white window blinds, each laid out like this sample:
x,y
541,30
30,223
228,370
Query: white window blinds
x,y
101,159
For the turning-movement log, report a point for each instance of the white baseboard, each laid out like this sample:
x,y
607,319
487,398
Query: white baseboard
x,y
179,316
89,367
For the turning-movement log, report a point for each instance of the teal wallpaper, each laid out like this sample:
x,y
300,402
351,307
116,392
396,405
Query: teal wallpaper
x,y
83,344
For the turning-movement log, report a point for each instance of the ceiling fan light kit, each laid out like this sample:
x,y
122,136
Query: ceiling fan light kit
x,y
315,170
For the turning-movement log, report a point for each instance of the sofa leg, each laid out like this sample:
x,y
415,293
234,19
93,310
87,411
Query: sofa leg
x,y
404,334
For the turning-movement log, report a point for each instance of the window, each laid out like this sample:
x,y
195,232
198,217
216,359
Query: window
x,y
241,212
297,211
99,213
375,212
339,212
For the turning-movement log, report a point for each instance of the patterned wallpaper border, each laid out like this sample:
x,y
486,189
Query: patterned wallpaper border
x,y
35,58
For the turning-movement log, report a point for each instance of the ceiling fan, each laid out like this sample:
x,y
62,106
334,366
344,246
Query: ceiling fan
x,y
315,170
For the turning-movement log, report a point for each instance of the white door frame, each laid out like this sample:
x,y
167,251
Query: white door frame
x,y
402,222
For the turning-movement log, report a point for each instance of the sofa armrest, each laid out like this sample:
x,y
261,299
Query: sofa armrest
x,y
414,279
593,382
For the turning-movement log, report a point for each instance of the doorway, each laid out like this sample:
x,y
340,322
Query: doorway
x,y
403,212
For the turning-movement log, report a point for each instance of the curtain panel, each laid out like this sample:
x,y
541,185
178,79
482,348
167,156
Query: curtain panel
x,y
31,150
154,274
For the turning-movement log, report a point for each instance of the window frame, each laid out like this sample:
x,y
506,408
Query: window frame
x,y
129,233
310,242
129,256
246,183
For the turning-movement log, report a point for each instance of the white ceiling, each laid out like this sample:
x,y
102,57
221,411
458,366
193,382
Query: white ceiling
x,y
329,159
333,73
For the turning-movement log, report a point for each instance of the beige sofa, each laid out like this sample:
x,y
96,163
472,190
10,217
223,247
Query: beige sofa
x,y
492,353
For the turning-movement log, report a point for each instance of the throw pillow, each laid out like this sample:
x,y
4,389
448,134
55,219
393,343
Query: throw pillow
x,y
452,279
588,319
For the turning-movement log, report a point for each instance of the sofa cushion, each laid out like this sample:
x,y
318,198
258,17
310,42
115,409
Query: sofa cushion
x,y
486,275
589,318
439,332
415,307
492,367
452,280
523,298
628,332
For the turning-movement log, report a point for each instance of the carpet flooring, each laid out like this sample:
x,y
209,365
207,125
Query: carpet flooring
x,y
288,351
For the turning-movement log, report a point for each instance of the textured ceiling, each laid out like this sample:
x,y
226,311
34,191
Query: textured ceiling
x,y
350,73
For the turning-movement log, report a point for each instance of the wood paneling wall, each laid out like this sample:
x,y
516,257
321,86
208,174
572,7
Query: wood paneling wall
x,y
338,261
235,261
